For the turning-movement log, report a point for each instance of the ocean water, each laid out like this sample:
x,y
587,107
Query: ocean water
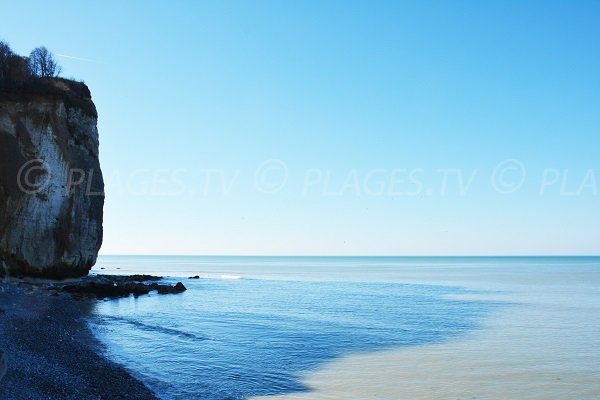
x,y
359,327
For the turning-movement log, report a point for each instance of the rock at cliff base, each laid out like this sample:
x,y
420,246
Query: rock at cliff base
x,y
113,286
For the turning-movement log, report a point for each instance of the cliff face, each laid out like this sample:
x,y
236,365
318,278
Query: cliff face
x,y
51,186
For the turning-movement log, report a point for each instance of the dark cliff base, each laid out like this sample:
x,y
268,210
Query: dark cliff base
x,y
51,352
20,270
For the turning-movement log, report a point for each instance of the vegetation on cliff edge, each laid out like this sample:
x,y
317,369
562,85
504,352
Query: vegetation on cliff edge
x,y
37,74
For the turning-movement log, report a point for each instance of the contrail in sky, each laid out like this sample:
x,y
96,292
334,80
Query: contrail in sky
x,y
78,58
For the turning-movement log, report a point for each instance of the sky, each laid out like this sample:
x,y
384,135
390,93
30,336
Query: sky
x,y
337,127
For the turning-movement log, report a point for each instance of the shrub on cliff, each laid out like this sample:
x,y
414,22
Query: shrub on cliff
x,y
38,75
5,54
14,68
75,94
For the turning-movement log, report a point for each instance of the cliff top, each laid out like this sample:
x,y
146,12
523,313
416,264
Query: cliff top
x,y
75,94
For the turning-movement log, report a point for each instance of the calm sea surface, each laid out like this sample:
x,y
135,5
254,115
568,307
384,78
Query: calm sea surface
x,y
262,326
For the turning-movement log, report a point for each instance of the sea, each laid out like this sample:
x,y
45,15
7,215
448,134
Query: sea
x,y
359,327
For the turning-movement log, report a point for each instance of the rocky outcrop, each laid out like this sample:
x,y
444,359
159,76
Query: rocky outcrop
x,y
112,287
51,186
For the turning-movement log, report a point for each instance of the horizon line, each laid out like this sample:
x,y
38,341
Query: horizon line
x,y
337,256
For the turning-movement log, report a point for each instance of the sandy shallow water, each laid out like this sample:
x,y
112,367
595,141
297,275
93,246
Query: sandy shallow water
x,y
545,344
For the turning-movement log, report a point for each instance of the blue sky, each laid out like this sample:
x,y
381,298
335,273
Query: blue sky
x,y
337,127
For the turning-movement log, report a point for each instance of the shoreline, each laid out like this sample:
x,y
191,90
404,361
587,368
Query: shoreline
x,y
52,352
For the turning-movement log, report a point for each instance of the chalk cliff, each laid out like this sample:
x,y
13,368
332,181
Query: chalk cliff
x,y
51,186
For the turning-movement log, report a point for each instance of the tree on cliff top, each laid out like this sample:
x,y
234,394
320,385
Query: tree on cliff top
x,y
42,63
13,67
5,54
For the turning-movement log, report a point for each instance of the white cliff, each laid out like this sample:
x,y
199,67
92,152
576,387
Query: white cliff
x,y
51,187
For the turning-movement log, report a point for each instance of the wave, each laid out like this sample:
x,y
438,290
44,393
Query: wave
x,y
231,277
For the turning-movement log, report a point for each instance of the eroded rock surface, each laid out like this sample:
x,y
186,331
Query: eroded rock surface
x,y
51,186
